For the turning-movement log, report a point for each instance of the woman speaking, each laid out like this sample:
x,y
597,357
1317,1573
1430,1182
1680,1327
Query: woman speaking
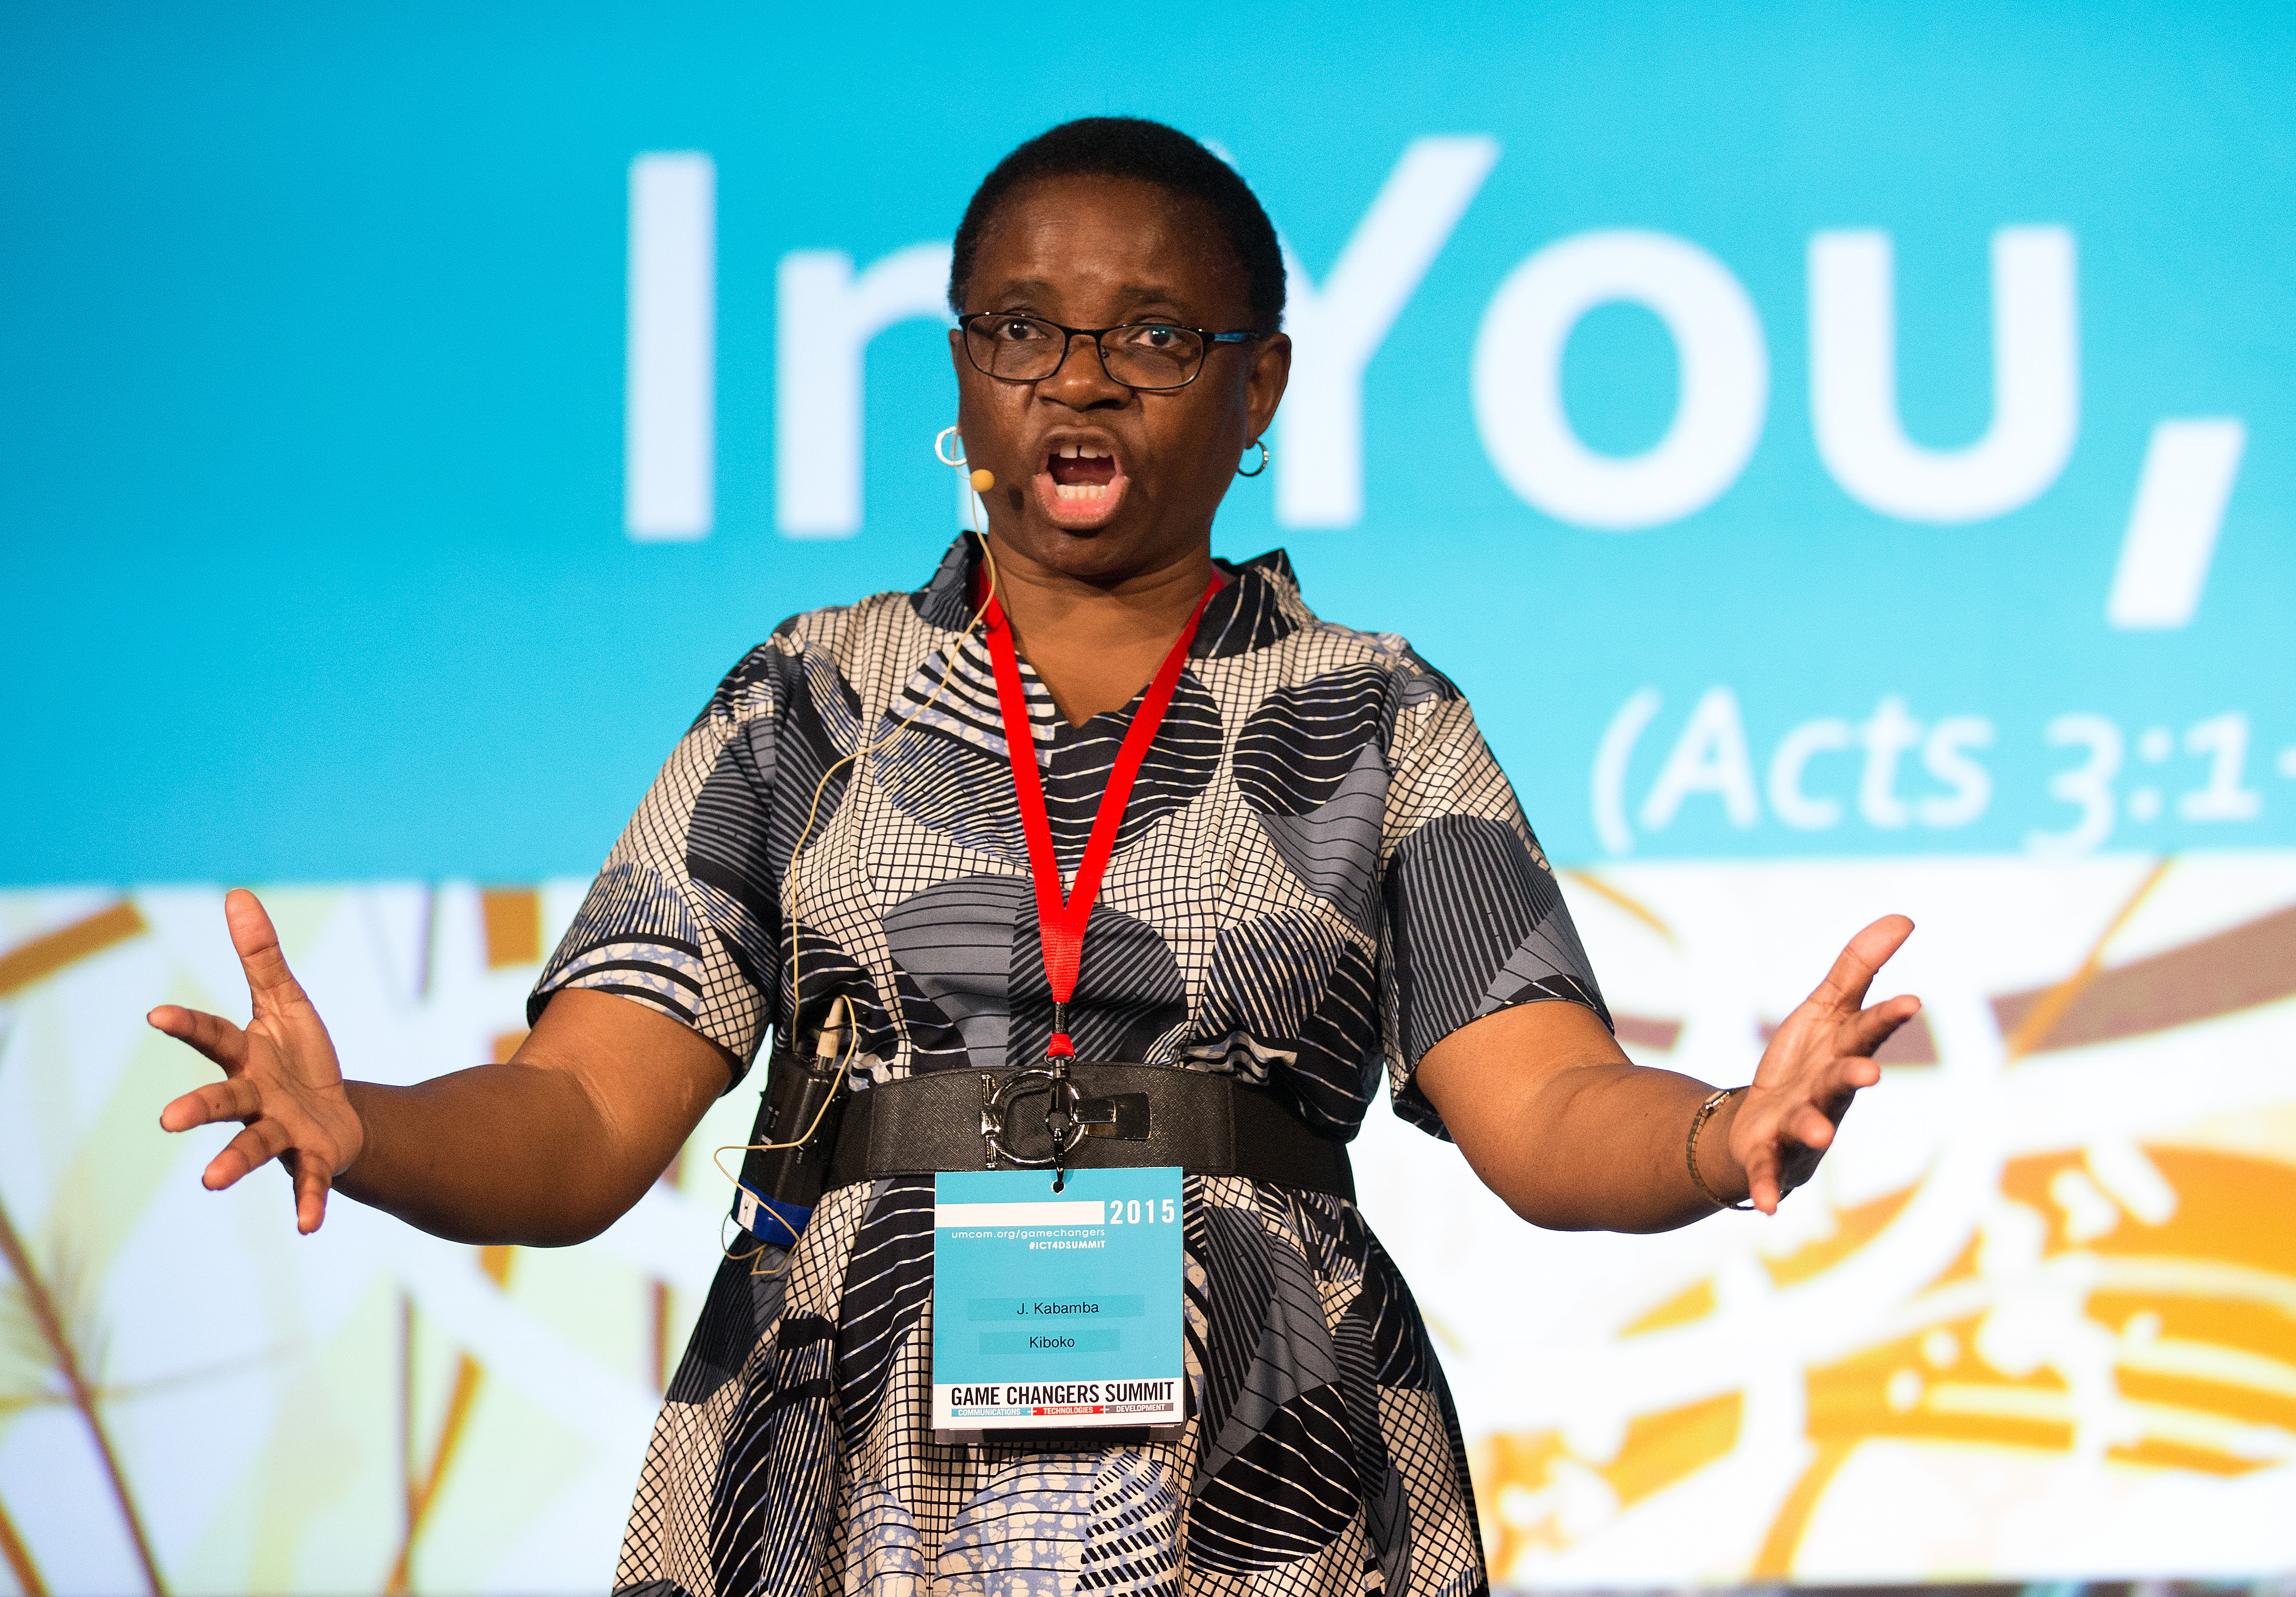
x,y
1092,856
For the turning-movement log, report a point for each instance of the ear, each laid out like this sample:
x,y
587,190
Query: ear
x,y
1264,384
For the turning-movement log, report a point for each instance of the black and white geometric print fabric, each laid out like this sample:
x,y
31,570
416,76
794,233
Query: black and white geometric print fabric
x,y
1321,873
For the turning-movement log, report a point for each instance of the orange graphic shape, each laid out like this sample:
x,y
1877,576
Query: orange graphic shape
x,y
1659,1450
44,955
1691,1304
2203,1305
422,1488
1664,1447
1855,1227
513,926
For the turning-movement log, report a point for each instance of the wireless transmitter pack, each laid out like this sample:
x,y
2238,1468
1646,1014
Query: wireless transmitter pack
x,y
787,1162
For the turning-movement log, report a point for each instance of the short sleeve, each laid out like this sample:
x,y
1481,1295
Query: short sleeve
x,y
1475,921
683,917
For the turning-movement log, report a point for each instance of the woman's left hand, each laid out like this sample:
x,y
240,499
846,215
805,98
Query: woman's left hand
x,y
1814,1067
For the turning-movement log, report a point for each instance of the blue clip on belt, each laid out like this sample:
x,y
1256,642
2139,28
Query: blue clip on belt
x,y
769,1221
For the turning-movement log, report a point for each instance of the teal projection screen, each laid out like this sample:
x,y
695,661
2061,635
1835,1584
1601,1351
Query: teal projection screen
x,y
1842,453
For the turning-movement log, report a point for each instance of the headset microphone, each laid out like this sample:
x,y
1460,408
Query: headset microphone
x,y
983,481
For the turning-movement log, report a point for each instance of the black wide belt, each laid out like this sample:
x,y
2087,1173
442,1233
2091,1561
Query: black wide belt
x,y
1207,1125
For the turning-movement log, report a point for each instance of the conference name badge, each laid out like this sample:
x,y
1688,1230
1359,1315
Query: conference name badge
x,y
1056,1311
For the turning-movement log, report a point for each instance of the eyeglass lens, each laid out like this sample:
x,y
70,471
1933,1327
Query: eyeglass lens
x,y
1149,355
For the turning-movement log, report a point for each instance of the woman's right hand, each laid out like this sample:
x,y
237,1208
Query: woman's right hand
x,y
280,1075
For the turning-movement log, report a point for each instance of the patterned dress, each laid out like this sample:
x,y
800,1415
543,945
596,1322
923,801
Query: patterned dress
x,y
1321,873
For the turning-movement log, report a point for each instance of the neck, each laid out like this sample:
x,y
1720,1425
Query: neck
x,y
1147,605
1094,641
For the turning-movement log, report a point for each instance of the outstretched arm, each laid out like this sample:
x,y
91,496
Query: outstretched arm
x,y
548,1149
1558,1122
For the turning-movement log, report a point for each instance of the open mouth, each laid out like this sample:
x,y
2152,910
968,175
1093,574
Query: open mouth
x,y
1080,485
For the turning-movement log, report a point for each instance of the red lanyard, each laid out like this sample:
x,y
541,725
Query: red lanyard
x,y
1061,924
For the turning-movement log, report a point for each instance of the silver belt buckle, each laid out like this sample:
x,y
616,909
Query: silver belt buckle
x,y
996,1100
1123,1115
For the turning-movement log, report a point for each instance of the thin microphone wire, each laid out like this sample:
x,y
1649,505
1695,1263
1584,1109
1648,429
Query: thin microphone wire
x,y
797,947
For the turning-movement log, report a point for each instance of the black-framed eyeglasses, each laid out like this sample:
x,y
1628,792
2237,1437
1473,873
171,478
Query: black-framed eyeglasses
x,y
1151,356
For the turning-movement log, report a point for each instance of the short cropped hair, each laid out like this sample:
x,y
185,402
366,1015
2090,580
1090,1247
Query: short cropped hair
x,y
1151,152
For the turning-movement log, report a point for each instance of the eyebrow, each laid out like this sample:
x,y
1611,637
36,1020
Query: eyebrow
x,y
1134,297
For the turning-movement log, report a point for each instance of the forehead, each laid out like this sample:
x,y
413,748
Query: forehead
x,y
1107,242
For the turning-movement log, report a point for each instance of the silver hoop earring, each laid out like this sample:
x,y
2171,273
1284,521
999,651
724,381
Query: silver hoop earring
x,y
940,444
1256,471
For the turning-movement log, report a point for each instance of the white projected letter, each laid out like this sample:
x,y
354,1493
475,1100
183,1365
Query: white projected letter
x,y
1608,784
670,443
1724,393
1889,734
1336,329
1853,380
2189,468
1946,757
1709,757
2089,786
824,318
1788,802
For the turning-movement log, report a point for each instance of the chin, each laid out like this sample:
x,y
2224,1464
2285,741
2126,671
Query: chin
x,y
1112,550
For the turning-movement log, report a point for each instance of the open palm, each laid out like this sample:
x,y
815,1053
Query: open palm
x,y
280,1074
1815,1064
